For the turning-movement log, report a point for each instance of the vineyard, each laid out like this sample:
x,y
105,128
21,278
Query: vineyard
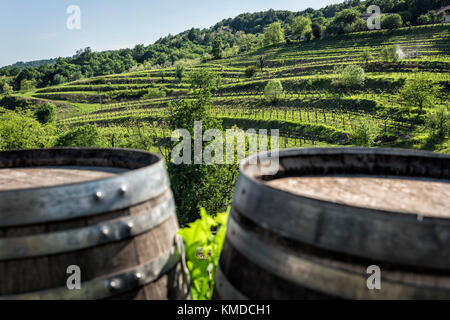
x,y
310,112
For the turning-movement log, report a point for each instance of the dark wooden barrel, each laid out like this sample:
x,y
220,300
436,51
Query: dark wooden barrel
x,y
317,228
109,213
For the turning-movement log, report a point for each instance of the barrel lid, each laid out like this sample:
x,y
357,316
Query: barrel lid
x,y
85,182
418,238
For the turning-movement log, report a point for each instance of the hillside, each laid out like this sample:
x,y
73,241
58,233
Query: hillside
x,y
310,103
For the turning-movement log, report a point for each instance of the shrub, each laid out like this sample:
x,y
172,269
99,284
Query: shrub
x,y
390,54
85,136
203,250
273,91
179,73
391,21
352,76
424,19
364,134
439,122
45,113
19,130
250,72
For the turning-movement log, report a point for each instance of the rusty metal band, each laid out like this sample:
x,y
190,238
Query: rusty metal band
x,y
86,237
225,289
339,279
41,205
109,286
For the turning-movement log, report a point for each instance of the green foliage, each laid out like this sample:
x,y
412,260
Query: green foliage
x,y
195,185
179,73
390,54
6,89
364,134
351,76
366,56
301,26
204,79
419,93
27,85
250,71
438,122
45,113
273,91
203,248
424,19
85,136
19,130
273,34
391,21
217,49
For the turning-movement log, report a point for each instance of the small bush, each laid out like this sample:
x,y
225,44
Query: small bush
x,y
86,136
273,91
439,122
364,134
45,113
390,54
352,76
203,250
19,130
391,21
250,72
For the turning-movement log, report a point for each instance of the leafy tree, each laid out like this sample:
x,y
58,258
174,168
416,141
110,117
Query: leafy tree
x,y
217,49
7,89
250,71
438,122
317,30
391,21
418,94
273,91
344,22
179,73
301,26
204,79
194,184
45,113
364,134
351,76
85,136
390,54
27,85
273,34
19,130
261,64
423,19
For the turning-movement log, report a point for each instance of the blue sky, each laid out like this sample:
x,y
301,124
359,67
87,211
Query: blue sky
x,y
33,30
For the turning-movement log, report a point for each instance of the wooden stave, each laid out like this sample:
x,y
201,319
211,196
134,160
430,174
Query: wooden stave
x,y
241,275
317,218
173,283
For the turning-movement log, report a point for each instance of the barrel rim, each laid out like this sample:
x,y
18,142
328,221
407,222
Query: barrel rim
x,y
81,199
292,152
159,159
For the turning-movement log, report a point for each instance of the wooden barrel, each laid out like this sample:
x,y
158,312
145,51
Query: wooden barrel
x,y
329,218
105,217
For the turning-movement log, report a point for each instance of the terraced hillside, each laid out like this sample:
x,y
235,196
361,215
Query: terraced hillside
x,y
311,111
